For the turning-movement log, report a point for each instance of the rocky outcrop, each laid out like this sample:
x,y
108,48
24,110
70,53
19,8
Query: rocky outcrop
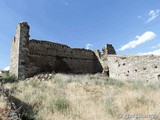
x,y
8,110
42,76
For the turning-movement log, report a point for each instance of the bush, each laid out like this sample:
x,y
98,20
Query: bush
x,y
112,109
9,78
114,82
136,85
35,83
61,104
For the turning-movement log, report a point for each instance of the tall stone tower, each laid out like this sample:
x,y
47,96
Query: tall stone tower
x,y
20,51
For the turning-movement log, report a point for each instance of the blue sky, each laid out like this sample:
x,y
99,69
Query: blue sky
x,y
132,26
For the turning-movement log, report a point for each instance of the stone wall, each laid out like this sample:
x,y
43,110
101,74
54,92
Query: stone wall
x,y
30,57
19,51
108,50
146,67
46,56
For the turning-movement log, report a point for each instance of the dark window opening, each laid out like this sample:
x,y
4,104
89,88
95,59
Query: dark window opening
x,y
158,76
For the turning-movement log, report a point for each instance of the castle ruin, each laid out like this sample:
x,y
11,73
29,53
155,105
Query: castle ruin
x,y
31,57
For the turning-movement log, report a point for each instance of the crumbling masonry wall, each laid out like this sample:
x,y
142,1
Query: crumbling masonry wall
x,y
47,57
30,57
19,51
145,67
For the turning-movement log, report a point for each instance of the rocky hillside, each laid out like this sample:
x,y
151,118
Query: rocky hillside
x,y
8,109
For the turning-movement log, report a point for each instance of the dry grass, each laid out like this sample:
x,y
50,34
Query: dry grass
x,y
87,97
4,109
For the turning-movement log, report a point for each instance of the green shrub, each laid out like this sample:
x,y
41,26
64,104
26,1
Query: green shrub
x,y
98,82
35,83
14,87
153,86
142,100
112,82
9,78
112,109
136,85
61,104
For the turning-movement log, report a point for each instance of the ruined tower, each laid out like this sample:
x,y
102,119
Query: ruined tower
x,y
19,51
108,50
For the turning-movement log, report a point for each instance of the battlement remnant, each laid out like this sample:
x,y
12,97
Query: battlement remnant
x,y
30,57
108,50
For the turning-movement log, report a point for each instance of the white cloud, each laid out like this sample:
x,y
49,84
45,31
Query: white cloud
x,y
6,68
147,36
156,46
88,46
152,15
139,16
155,52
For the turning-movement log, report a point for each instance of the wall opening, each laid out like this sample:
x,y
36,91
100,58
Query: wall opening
x,y
158,76
144,68
108,72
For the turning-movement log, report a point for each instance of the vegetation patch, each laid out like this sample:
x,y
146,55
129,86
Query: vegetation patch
x,y
79,97
61,104
9,78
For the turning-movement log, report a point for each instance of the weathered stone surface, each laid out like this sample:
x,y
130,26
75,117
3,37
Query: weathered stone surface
x,y
98,53
19,51
42,77
108,50
30,57
1,76
145,67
